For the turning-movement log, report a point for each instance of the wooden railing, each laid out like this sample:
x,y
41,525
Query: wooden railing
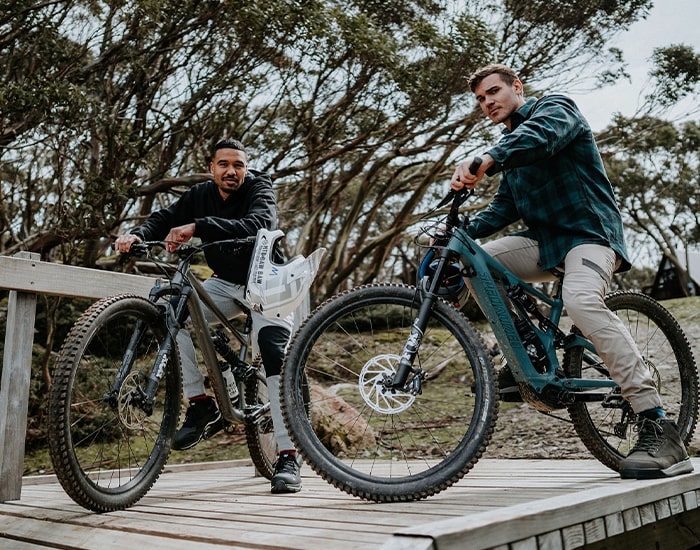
x,y
25,276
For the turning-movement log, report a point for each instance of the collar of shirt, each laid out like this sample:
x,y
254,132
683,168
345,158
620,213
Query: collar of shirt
x,y
521,115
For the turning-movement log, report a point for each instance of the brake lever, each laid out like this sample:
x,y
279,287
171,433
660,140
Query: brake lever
x,y
136,250
463,194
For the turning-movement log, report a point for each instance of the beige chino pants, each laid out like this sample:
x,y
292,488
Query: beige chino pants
x,y
588,271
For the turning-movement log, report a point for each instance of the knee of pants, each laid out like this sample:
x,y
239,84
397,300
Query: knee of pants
x,y
580,297
586,308
272,342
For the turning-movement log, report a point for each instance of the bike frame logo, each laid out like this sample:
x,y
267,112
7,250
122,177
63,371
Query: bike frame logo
x,y
161,365
412,343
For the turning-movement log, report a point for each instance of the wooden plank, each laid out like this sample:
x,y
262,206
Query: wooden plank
x,y
594,530
573,536
225,505
614,524
662,508
550,541
104,539
524,520
14,391
690,500
31,275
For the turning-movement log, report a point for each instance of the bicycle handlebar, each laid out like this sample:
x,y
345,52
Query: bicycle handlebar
x,y
140,249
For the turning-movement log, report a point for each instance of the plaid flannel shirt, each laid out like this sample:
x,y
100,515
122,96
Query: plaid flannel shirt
x,y
552,177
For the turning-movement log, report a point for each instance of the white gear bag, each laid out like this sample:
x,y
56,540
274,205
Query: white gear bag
x,y
276,290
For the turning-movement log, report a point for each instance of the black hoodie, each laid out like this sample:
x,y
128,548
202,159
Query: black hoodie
x,y
245,211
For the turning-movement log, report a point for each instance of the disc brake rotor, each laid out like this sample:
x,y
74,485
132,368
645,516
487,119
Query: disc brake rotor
x,y
373,390
131,415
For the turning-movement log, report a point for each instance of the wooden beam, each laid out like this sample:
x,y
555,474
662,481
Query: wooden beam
x,y
32,275
26,276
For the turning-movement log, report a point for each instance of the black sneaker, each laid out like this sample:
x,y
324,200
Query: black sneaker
x,y
508,388
286,478
659,452
202,420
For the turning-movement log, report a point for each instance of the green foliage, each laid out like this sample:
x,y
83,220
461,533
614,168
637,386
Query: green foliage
x,y
654,166
677,73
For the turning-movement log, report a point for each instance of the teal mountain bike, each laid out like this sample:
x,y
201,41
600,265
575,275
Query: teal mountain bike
x,y
403,392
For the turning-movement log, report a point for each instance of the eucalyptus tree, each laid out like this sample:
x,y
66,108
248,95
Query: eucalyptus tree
x,y
655,167
375,111
654,163
357,107
150,82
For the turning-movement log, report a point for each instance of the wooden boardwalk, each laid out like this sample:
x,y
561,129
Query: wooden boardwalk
x,y
504,504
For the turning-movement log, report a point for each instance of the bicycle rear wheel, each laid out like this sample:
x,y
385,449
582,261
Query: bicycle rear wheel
x,y
260,434
388,446
606,428
107,448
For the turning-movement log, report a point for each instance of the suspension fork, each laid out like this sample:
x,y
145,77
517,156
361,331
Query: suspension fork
x,y
126,364
130,353
175,317
410,350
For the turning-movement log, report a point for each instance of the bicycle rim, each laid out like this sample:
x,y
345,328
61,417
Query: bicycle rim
x,y
107,453
380,445
608,431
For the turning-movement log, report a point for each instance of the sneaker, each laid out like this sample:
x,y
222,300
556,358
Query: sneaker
x,y
659,452
507,386
202,420
286,478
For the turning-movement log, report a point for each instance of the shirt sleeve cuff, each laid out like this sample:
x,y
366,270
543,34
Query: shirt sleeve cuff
x,y
498,155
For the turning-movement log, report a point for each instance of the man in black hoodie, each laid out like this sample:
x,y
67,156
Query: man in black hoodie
x,y
237,203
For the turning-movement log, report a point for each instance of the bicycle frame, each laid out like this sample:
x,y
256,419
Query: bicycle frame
x,y
183,297
485,273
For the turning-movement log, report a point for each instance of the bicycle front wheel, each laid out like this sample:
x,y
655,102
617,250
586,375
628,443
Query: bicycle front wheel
x,y
108,446
606,428
377,444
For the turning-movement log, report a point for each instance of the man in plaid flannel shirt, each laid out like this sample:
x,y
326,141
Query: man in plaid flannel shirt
x,y
553,179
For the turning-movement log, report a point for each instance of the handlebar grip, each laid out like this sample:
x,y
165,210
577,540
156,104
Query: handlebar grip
x,y
474,166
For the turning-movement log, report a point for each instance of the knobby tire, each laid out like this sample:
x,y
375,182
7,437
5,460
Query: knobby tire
x,y
107,455
608,433
377,445
260,435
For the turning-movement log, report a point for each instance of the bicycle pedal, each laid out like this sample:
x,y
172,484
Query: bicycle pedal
x,y
229,428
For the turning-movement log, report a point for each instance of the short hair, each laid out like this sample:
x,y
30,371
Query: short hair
x,y
228,143
508,75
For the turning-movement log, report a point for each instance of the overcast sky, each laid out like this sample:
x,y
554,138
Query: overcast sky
x,y
670,22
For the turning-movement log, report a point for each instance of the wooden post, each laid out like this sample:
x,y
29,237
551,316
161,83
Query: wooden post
x,y
14,389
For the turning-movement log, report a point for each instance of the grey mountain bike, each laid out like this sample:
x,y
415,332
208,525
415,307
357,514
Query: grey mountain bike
x,y
404,396
116,393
